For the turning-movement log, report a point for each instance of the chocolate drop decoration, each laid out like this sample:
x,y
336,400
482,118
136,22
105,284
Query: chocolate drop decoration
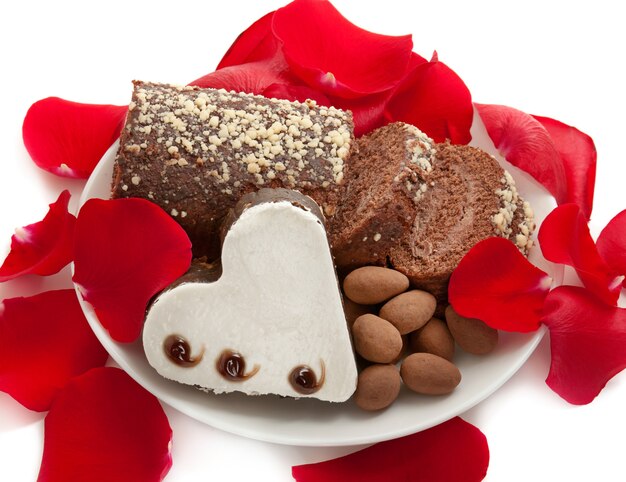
x,y
232,366
177,349
304,381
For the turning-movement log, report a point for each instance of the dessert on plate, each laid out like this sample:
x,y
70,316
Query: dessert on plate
x,y
268,318
275,197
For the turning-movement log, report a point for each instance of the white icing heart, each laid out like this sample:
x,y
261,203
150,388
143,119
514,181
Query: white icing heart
x,y
277,304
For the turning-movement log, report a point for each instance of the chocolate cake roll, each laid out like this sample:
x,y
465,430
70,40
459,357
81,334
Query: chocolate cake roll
x,y
195,152
419,207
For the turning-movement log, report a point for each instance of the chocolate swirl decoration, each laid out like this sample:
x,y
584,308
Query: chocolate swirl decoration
x,y
304,381
177,349
232,366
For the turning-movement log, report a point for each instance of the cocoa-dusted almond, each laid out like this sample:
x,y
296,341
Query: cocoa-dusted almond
x,y
353,310
376,339
371,285
434,337
472,335
429,374
404,351
409,311
378,387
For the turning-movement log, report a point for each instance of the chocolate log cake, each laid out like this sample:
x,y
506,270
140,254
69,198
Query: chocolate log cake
x,y
419,207
195,152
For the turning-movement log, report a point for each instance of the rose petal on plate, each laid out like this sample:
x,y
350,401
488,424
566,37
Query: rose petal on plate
x,y
42,248
587,340
416,59
104,427
270,78
45,340
495,283
525,143
565,238
255,43
251,78
333,55
126,251
436,100
453,451
69,138
367,112
578,154
611,244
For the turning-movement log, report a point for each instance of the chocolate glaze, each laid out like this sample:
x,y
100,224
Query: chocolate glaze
x,y
232,366
304,381
177,349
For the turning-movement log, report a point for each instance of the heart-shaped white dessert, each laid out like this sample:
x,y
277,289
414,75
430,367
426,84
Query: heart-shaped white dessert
x,y
272,322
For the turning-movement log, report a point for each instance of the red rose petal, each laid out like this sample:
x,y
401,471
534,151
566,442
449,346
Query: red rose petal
x,y
565,238
120,263
251,78
587,340
368,112
270,78
417,59
105,427
578,154
453,451
435,99
42,248
611,244
68,138
333,55
525,143
255,43
495,283
45,340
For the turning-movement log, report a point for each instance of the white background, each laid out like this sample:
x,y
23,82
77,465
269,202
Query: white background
x,y
562,59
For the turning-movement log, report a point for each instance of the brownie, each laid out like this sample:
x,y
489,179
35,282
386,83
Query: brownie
x,y
418,207
195,152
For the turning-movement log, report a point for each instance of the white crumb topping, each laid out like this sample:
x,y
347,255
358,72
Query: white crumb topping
x,y
255,129
421,154
505,218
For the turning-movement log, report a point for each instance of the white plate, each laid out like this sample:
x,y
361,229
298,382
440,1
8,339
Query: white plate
x,y
314,423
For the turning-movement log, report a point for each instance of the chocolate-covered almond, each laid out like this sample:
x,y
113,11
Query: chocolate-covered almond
x,y
472,335
376,339
409,311
378,387
434,337
371,285
429,374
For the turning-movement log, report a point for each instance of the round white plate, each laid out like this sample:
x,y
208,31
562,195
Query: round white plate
x,y
314,423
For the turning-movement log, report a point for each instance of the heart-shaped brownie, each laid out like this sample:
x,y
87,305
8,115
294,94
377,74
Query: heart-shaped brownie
x,y
269,319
